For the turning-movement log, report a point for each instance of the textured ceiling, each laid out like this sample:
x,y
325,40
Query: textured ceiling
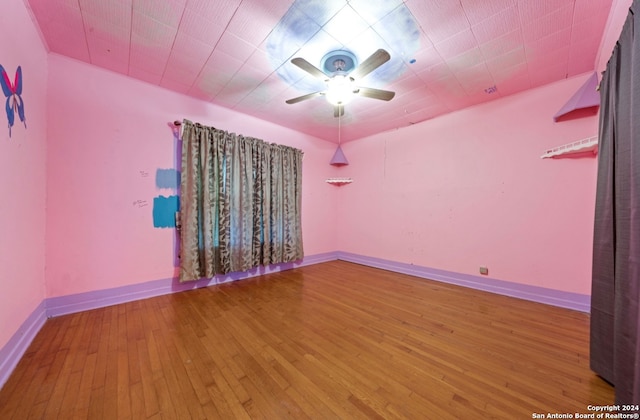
x,y
445,54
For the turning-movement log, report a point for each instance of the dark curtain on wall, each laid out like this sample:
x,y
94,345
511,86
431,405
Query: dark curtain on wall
x,y
615,315
240,203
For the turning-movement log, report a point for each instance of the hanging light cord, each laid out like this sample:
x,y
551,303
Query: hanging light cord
x,y
339,119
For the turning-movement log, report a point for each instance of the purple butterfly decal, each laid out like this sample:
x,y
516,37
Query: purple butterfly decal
x,y
14,100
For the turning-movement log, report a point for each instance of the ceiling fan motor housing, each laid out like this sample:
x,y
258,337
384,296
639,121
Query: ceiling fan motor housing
x,y
338,62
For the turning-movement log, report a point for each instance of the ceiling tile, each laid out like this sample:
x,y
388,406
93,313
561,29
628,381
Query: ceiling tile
x,y
175,84
223,63
292,31
67,38
588,28
237,89
217,12
590,9
148,59
457,44
518,83
191,50
108,45
48,8
209,83
532,10
118,35
235,47
447,86
320,11
558,20
402,33
501,45
200,27
427,57
253,21
507,73
255,73
497,25
465,60
439,19
435,72
168,12
372,12
179,70
114,12
146,76
478,10
475,79
106,61
551,73
543,46
516,57
444,53
345,25
270,88
314,49
151,33
366,44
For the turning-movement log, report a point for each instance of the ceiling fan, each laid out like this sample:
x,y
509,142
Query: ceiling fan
x,y
342,82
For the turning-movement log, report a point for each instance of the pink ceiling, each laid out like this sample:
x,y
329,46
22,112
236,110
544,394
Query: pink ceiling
x,y
446,54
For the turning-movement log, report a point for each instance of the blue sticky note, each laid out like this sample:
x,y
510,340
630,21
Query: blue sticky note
x,y
167,178
164,211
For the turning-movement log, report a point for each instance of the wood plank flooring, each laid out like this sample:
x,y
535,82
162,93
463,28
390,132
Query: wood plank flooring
x,y
329,341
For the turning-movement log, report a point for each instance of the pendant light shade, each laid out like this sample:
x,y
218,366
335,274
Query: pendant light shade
x,y
339,159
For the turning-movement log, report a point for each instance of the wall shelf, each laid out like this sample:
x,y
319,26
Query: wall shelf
x,y
339,181
581,146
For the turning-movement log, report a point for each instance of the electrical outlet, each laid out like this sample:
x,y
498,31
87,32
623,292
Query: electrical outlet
x,y
484,271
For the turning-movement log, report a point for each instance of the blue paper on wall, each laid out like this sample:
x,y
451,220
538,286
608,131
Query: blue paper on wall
x,y
167,178
164,211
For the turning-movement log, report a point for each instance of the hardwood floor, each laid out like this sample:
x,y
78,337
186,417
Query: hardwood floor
x,y
333,340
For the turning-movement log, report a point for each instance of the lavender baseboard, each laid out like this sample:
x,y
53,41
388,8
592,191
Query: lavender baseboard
x,y
15,348
12,352
538,294
100,298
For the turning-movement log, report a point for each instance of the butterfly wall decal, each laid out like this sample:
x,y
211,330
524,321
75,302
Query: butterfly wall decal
x,y
13,92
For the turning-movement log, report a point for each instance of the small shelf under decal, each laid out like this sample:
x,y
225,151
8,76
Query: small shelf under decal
x,y
581,146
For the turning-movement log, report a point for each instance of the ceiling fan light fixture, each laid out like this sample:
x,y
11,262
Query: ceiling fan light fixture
x,y
340,89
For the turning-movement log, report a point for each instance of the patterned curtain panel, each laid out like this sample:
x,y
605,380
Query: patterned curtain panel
x,y
615,287
240,203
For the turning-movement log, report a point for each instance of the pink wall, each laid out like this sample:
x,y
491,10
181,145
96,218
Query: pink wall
x,y
465,189
106,131
470,189
22,174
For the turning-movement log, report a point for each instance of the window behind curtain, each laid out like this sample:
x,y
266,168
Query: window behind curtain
x,y
240,199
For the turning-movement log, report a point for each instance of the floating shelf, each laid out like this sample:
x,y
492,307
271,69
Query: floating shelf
x,y
581,146
339,181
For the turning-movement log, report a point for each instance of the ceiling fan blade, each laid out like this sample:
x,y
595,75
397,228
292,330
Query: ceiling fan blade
x,y
309,68
303,97
384,95
374,61
338,111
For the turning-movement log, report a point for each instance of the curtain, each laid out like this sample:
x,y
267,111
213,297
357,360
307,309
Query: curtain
x,y
615,315
240,203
